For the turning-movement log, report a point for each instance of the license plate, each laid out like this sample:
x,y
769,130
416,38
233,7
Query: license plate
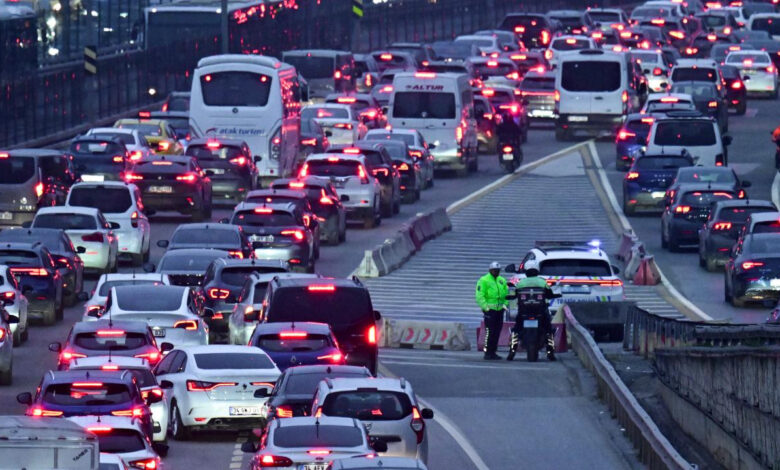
x,y
261,238
217,171
530,323
314,466
92,178
6,216
658,194
507,157
575,289
578,118
774,282
160,189
244,410
158,332
542,112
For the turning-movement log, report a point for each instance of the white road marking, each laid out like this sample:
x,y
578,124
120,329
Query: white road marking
x,y
751,112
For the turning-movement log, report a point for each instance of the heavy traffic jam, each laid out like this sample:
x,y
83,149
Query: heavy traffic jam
x,y
232,329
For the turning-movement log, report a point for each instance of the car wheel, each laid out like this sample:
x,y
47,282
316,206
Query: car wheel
x,y
726,294
17,337
710,264
664,243
6,376
179,431
561,134
628,209
742,108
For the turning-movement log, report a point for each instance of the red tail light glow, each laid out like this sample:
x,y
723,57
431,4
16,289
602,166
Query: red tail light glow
x,y
263,210
293,334
425,75
38,411
98,429
737,85
236,254
712,104
240,161
39,189
351,151
321,288
269,460
284,411
30,271
146,464
335,357
109,367
189,325
343,125
152,357
213,144
117,159
746,265
418,425
135,412
130,177
381,171
188,178
632,175
362,175
657,71
164,146
722,226
682,209
67,356
111,333
200,386
310,142
318,452
371,335
337,75
87,384
296,234
218,294
625,135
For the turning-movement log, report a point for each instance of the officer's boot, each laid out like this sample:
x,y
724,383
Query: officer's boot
x,y
514,342
550,347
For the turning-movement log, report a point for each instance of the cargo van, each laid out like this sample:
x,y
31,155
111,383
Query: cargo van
x,y
50,443
441,107
594,92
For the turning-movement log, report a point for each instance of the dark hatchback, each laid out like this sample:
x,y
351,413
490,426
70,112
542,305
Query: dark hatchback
x,y
229,165
344,304
715,175
688,211
736,93
646,182
295,388
752,274
707,98
39,277
298,199
631,137
325,203
98,159
718,235
215,236
297,343
187,267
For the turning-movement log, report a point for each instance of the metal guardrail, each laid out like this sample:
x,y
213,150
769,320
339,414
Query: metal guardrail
x,y
644,332
655,450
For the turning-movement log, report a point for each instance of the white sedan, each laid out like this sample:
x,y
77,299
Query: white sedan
x,y
86,227
341,120
123,437
93,308
135,142
120,203
221,387
15,303
757,71
168,310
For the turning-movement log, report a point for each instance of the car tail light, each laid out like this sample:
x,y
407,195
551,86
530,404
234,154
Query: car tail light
x,y
322,288
669,100
741,194
96,237
310,142
545,37
712,37
236,254
2,334
371,334
337,75
736,85
130,177
519,29
386,57
104,333
117,159
335,357
135,412
87,384
213,144
418,425
548,54
304,171
677,34
611,283
163,146
39,189
145,464
99,429
10,295
134,219
712,104
632,175
109,367
293,334
263,210
318,452
746,265
38,411
362,174
343,125
625,135
30,271
188,177
682,209
67,356
284,411
459,134
200,386
386,89
269,460
624,96
135,155
597,35
557,96
218,294
770,69
240,161
657,71
425,75
722,226
4,155
296,234
152,357
325,199
189,325
383,171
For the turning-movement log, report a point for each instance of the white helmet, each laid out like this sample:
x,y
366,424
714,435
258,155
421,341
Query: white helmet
x,y
494,265
531,264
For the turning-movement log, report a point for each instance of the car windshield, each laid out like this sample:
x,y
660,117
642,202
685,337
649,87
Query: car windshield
x,y
109,200
119,441
86,393
126,139
685,133
278,343
204,236
186,262
369,405
701,91
687,74
333,167
704,198
661,163
108,285
312,68
342,305
111,340
324,113
264,219
408,138
574,267
703,175
740,214
590,76
149,299
213,151
233,361
323,435
16,170
65,221
300,384
424,105
104,148
235,88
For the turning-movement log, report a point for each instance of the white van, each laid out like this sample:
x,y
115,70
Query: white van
x,y
693,132
50,443
252,98
594,92
441,107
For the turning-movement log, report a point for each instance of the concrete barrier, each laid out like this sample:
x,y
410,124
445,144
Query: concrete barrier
x,y
647,273
627,240
425,334
634,259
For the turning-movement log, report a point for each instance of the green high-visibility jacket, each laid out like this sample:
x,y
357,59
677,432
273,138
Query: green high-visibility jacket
x,y
491,292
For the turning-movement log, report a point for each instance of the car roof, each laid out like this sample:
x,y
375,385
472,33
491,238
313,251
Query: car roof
x,y
158,157
329,105
291,193
133,276
312,421
327,369
113,130
337,282
68,210
105,324
222,263
221,349
267,277
764,216
124,362
341,384
150,290
33,152
117,422
305,326
310,180
276,206
359,157
709,168
208,226
221,140
697,187
66,376
747,203
380,462
684,63
209,252
95,184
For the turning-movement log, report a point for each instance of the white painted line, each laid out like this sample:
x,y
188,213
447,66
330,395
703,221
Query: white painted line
x,y
776,190
594,155
451,429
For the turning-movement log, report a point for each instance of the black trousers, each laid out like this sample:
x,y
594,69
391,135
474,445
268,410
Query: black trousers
x,y
544,325
494,320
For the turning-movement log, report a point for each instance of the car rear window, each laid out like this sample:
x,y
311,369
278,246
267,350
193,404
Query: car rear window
x,y
337,168
702,175
498,70
19,257
186,262
698,91
105,148
747,59
408,138
704,198
570,44
106,286
740,214
770,25
154,300
702,74
310,342
342,305
260,289
685,133
204,236
146,130
235,89
108,200
236,276
324,113
574,267
220,361
639,127
312,68
766,227
369,405
126,139
120,441
646,57
299,384
115,341
538,83
65,221
712,21
424,105
86,393
661,163
179,104
764,245
590,76
512,21
16,170
206,152
604,16
323,435
272,219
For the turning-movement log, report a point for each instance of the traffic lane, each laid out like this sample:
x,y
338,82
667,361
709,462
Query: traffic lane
x,y
752,157
518,414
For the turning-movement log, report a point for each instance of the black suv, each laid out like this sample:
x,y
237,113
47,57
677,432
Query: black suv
x,y
296,198
66,257
29,179
223,282
229,164
344,304
96,159
324,201
42,284
225,237
380,164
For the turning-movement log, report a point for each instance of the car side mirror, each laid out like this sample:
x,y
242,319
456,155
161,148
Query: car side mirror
x,y
727,140
55,347
11,318
379,446
510,268
377,315
208,312
27,224
664,85
431,146
328,133
344,198
152,398
149,267
166,347
81,250
615,269
745,78
114,225
426,413
25,398
82,296
249,447
163,243
166,384
261,392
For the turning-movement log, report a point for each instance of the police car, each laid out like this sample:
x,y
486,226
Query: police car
x,y
579,271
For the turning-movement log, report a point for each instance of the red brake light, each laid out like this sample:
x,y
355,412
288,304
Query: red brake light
x,y
624,96
67,356
318,452
335,357
152,357
296,234
111,333
751,264
425,75
647,120
30,271
213,144
736,85
625,135
284,411
96,237
545,37
417,424
386,57
99,429
770,69
189,325
669,100
682,209
297,184
220,294
39,189
189,177
362,174
236,254
268,460
488,92
657,71
351,151
322,288
346,99
324,199
263,210
144,114
310,142
371,335
4,155
10,295
557,96
117,159
146,464
130,177
677,34
164,145
109,367
293,334
136,412
240,161
337,75
722,226
38,411
712,104
200,386
87,384
382,171
632,175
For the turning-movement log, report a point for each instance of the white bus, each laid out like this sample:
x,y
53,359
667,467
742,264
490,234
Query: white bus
x,y
252,98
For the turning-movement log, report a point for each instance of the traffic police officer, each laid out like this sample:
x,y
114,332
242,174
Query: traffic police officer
x,y
491,297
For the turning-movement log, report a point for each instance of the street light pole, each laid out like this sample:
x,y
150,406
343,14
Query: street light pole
x,y
224,26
